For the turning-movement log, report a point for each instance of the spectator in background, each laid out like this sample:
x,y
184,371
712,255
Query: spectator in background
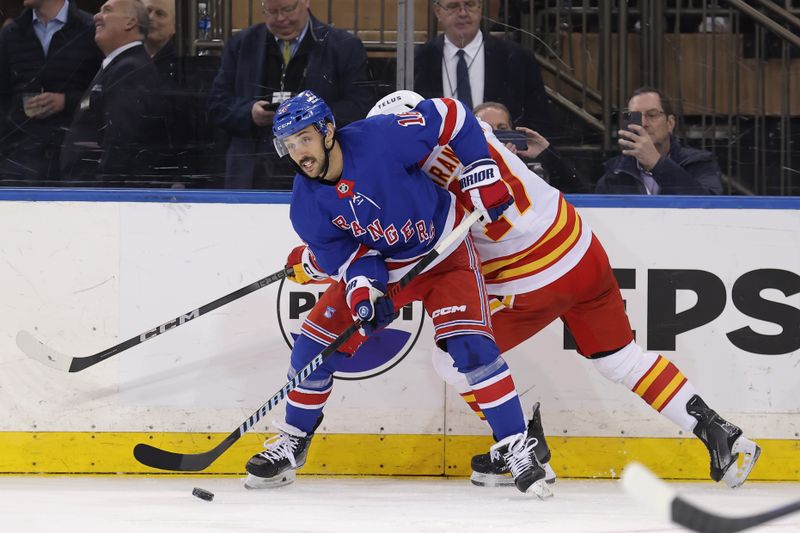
x,y
653,161
48,51
263,64
114,126
558,172
177,109
160,43
475,67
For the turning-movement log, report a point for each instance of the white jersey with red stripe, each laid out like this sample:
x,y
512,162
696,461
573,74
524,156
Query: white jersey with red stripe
x,y
536,241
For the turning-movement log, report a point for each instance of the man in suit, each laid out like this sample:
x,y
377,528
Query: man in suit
x,y
261,65
476,67
49,51
114,126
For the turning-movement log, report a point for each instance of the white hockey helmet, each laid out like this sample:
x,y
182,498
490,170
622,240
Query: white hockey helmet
x,y
397,102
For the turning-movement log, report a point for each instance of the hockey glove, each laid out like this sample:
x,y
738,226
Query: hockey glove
x,y
487,191
306,269
369,304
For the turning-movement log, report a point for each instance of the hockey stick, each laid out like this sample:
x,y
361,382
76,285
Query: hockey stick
x,y
35,349
643,486
194,462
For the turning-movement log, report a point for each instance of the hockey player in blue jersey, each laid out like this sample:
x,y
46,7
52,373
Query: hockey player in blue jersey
x,y
367,213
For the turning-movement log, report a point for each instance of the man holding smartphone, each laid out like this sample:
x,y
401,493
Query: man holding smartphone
x,y
653,161
267,63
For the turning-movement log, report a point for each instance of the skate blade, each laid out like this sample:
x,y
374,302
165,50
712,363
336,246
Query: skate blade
x,y
285,478
491,480
498,480
540,489
549,474
749,452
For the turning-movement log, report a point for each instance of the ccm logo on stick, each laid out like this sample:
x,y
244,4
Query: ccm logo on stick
x,y
448,310
169,325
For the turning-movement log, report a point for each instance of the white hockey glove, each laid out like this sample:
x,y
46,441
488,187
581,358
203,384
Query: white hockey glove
x,y
486,189
306,269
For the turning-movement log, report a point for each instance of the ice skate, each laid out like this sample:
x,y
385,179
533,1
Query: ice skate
x,y
732,455
277,465
517,452
488,472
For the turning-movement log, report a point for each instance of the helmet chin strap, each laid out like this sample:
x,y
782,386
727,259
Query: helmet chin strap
x,y
325,166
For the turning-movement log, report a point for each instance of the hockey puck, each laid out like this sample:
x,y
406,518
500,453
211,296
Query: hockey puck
x,y
203,494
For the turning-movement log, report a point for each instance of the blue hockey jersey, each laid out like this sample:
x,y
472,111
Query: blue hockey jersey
x,y
384,204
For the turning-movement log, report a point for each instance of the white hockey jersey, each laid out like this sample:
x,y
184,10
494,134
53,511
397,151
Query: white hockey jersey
x,y
536,241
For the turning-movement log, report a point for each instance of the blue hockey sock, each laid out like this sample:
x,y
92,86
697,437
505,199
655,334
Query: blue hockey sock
x,y
306,402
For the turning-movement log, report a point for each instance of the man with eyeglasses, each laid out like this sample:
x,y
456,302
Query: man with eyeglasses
x,y
653,161
264,65
476,67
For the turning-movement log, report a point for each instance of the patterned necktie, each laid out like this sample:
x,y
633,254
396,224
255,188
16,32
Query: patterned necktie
x,y
463,89
287,52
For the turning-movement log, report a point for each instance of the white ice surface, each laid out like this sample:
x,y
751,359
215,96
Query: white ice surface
x,y
353,505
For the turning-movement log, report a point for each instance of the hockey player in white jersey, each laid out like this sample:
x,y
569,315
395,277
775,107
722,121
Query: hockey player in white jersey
x,y
542,262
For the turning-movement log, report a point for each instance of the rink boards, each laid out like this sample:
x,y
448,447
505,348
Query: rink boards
x,y
713,284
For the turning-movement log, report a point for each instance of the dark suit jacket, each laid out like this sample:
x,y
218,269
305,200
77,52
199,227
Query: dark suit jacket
x,y
512,77
114,124
178,117
330,62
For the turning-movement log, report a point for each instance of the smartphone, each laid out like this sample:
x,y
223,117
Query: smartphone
x,y
269,106
514,137
631,117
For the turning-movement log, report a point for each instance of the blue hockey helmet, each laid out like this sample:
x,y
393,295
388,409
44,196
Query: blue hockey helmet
x,y
298,112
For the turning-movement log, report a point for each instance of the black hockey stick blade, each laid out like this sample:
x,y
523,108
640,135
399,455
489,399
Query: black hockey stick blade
x,y
195,462
35,349
650,491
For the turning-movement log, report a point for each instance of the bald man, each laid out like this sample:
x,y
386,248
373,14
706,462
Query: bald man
x,y
113,125
162,25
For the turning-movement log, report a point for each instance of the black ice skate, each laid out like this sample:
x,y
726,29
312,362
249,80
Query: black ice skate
x,y
277,465
487,472
725,442
528,474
